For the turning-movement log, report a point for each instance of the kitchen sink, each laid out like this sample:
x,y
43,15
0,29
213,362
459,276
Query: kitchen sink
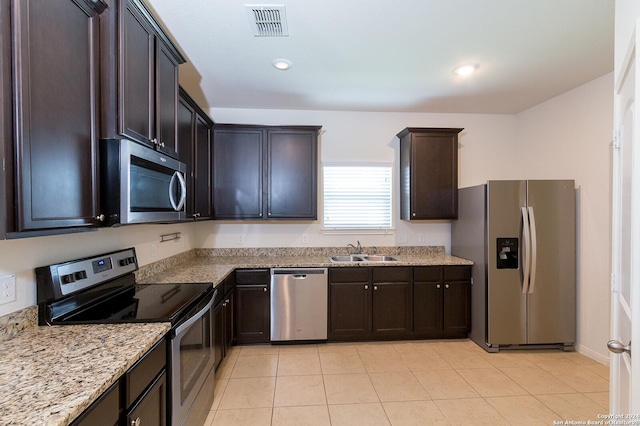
x,y
376,258
346,258
339,258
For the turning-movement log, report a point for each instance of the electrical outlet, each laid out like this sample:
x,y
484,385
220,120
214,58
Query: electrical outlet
x,y
240,240
7,289
402,238
305,239
422,238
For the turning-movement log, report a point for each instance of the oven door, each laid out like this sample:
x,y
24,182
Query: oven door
x,y
192,360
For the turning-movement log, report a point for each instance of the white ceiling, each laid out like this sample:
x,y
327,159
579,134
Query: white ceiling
x,y
374,55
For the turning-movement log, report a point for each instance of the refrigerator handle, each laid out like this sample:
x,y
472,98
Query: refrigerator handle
x,y
526,247
534,250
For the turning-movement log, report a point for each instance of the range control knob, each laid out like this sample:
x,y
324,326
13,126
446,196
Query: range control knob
x,y
124,262
80,275
67,279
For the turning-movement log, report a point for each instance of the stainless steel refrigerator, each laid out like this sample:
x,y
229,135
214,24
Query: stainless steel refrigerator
x,y
522,237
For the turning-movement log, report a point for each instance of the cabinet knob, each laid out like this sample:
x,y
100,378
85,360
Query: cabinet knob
x,y
414,214
135,422
196,215
100,217
264,289
366,287
227,301
438,286
154,141
162,144
446,286
375,287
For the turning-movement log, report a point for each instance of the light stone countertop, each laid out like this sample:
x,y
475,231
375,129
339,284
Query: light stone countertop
x,y
207,268
50,375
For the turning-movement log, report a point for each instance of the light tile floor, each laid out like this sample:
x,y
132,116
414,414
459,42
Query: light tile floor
x,y
405,383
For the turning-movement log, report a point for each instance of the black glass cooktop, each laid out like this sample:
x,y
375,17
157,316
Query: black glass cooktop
x,y
139,303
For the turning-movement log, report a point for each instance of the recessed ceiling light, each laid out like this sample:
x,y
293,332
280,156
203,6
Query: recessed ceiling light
x,y
465,69
282,64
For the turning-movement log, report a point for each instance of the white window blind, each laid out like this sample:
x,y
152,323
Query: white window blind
x,y
357,197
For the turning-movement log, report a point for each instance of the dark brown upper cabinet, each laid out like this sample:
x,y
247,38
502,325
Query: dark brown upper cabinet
x,y
428,173
55,53
141,102
6,146
265,172
194,149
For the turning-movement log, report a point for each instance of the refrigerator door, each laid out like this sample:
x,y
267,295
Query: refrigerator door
x,y
551,298
506,302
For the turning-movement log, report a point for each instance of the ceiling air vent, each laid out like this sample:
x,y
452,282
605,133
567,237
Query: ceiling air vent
x,y
267,20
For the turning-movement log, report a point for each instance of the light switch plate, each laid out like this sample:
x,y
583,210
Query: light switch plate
x,y
7,289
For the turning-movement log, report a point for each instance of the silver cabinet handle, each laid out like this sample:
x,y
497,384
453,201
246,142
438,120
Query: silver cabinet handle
x,y
366,287
618,347
135,422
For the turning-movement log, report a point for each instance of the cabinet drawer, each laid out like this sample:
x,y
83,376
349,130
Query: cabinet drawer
x,y
349,275
392,274
457,273
252,276
427,273
144,371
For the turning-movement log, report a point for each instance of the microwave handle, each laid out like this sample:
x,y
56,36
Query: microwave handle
x,y
183,191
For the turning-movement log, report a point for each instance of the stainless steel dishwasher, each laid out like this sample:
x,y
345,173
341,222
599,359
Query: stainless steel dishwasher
x,y
299,304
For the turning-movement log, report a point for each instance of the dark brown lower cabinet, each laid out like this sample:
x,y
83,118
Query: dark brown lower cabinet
x,y
224,335
442,303
392,310
349,303
252,306
384,303
151,408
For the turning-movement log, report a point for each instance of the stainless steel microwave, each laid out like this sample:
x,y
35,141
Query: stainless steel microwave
x,y
140,185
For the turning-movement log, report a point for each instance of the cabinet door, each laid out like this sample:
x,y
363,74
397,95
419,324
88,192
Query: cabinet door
x,y
229,316
392,310
252,314
202,148
218,334
349,303
457,300
56,54
427,308
292,174
427,301
151,409
166,100
137,75
429,173
237,171
457,311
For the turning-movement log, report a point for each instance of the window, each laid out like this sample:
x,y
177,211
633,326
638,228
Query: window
x,y
357,197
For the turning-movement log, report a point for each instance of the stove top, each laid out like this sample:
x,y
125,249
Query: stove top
x,y
102,289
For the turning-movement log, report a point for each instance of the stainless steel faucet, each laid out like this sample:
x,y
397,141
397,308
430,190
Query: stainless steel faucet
x,y
357,249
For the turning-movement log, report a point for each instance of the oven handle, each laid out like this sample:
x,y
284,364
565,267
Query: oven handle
x,y
188,323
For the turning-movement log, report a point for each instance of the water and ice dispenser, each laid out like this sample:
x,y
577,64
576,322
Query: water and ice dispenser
x,y
507,256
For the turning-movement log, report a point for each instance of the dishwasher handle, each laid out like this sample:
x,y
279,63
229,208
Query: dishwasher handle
x,y
299,273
